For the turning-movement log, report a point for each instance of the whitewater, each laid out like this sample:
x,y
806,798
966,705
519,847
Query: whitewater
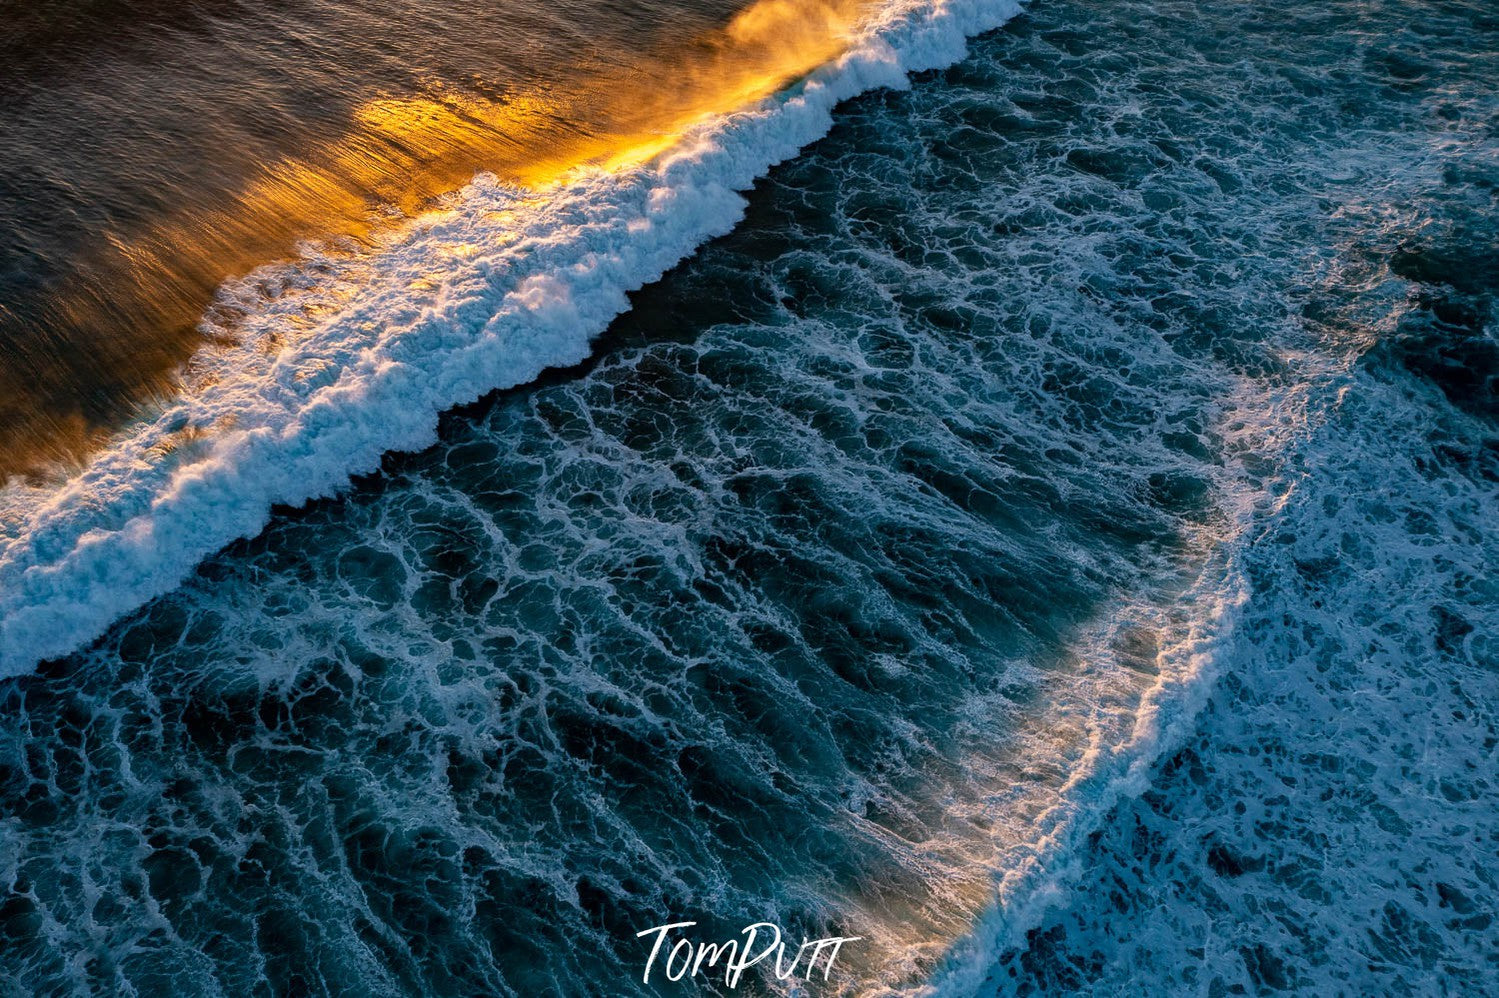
x,y
484,295
1052,472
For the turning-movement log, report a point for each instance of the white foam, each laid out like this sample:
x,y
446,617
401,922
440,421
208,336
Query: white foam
x,y
1030,885
483,295
1197,631
1342,692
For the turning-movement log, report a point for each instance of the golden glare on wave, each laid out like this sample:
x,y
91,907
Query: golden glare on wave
x,y
141,299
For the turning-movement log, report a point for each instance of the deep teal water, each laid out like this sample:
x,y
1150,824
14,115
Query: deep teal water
x,y
790,604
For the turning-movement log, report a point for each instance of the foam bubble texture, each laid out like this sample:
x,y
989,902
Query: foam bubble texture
x,y
485,295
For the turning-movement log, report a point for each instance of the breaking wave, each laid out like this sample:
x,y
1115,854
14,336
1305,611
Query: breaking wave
x,y
342,361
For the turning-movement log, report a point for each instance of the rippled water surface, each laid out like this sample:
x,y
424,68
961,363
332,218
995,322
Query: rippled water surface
x,y
843,586
154,150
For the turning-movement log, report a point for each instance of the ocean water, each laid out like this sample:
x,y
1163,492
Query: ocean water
x,y
1047,533
155,150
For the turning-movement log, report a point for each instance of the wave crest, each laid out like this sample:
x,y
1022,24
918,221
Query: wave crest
x,y
483,295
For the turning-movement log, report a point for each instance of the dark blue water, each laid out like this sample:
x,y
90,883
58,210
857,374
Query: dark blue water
x,y
1150,346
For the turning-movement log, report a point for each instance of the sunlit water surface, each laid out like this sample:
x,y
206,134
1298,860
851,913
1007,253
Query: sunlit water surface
x,y
836,581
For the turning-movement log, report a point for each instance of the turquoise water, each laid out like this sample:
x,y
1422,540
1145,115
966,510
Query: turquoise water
x,y
1147,348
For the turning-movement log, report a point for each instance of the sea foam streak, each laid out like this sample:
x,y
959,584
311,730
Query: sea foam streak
x,y
1198,631
484,295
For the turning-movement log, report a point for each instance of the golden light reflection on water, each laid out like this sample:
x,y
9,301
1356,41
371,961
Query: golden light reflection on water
x,y
141,298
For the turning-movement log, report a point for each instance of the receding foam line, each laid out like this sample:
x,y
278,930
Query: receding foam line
x,y
484,295
1200,631
1109,774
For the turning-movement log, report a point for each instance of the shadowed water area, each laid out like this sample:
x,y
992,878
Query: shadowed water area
x,y
804,600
